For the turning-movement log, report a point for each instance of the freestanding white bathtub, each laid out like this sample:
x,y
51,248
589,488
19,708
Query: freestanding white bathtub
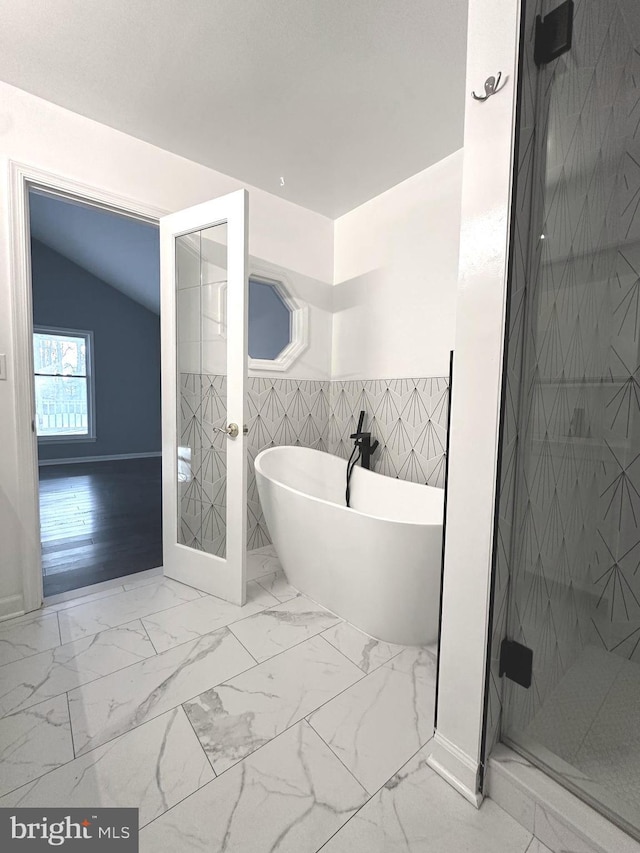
x,y
376,564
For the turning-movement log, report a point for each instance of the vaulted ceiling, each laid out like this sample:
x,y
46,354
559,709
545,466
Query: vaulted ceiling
x,y
342,98
122,252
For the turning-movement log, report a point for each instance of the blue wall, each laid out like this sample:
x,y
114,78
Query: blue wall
x,y
126,354
269,321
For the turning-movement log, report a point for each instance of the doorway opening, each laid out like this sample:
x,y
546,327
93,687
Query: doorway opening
x,y
95,282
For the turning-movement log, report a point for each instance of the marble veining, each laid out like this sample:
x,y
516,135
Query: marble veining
x,y
153,768
364,651
26,682
26,638
33,742
151,728
126,699
202,616
262,561
290,797
380,722
278,586
280,627
113,610
238,717
418,812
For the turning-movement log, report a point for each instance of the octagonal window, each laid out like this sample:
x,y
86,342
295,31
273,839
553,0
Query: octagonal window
x,y
278,323
269,320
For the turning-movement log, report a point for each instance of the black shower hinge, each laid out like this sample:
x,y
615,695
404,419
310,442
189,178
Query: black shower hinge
x,y
516,662
553,33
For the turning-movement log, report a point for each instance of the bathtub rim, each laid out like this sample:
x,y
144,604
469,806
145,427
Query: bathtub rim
x,y
282,485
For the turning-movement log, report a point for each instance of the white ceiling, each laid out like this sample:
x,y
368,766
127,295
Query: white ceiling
x,y
122,252
344,98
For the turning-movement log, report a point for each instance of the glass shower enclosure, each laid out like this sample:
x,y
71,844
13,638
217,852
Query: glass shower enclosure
x,y
569,508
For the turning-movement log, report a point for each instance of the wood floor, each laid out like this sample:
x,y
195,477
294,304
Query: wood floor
x,y
99,520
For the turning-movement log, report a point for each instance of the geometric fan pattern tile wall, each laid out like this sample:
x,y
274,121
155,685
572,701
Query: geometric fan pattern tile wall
x,y
407,416
569,514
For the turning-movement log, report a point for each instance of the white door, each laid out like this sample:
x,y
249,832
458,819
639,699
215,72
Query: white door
x,y
203,256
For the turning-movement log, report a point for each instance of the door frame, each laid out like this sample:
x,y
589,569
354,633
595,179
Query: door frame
x,y
22,178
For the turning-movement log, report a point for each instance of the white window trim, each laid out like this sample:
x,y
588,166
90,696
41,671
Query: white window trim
x,y
299,324
91,397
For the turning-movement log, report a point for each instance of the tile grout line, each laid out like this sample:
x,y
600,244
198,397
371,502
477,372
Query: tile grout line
x,y
144,628
206,754
82,754
307,639
333,752
238,763
221,684
344,654
146,615
375,793
80,686
109,592
173,707
73,743
243,646
36,779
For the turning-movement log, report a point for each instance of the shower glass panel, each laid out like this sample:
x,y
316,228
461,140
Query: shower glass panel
x,y
201,282
574,534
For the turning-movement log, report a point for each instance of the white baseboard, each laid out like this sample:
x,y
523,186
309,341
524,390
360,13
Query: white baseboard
x,y
115,456
455,767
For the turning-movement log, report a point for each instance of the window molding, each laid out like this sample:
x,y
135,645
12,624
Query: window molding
x,y
299,321
91,435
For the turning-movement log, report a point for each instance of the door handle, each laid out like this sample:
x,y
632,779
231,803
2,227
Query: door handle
x,y
232,430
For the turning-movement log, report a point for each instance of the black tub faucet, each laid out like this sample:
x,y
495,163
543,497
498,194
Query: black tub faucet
x,y
363,442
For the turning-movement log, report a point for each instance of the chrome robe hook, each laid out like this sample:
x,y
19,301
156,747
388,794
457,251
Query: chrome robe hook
x,y
490,87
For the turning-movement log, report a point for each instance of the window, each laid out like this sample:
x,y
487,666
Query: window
x,y
62,362
278,324
269,320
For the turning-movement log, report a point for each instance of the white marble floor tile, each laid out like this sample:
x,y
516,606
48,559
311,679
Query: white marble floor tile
x,y
376,725
34,741
47,674
113,610
290,796
282,627
202,616
262,561
278,586
364,651
237,717
152,768
25,638
418,812
117,703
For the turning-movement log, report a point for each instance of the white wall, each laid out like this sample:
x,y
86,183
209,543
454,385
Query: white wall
x,y
396,277
43,135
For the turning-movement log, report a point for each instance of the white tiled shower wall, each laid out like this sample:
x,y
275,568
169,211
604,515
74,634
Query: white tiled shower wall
x,y
407,416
